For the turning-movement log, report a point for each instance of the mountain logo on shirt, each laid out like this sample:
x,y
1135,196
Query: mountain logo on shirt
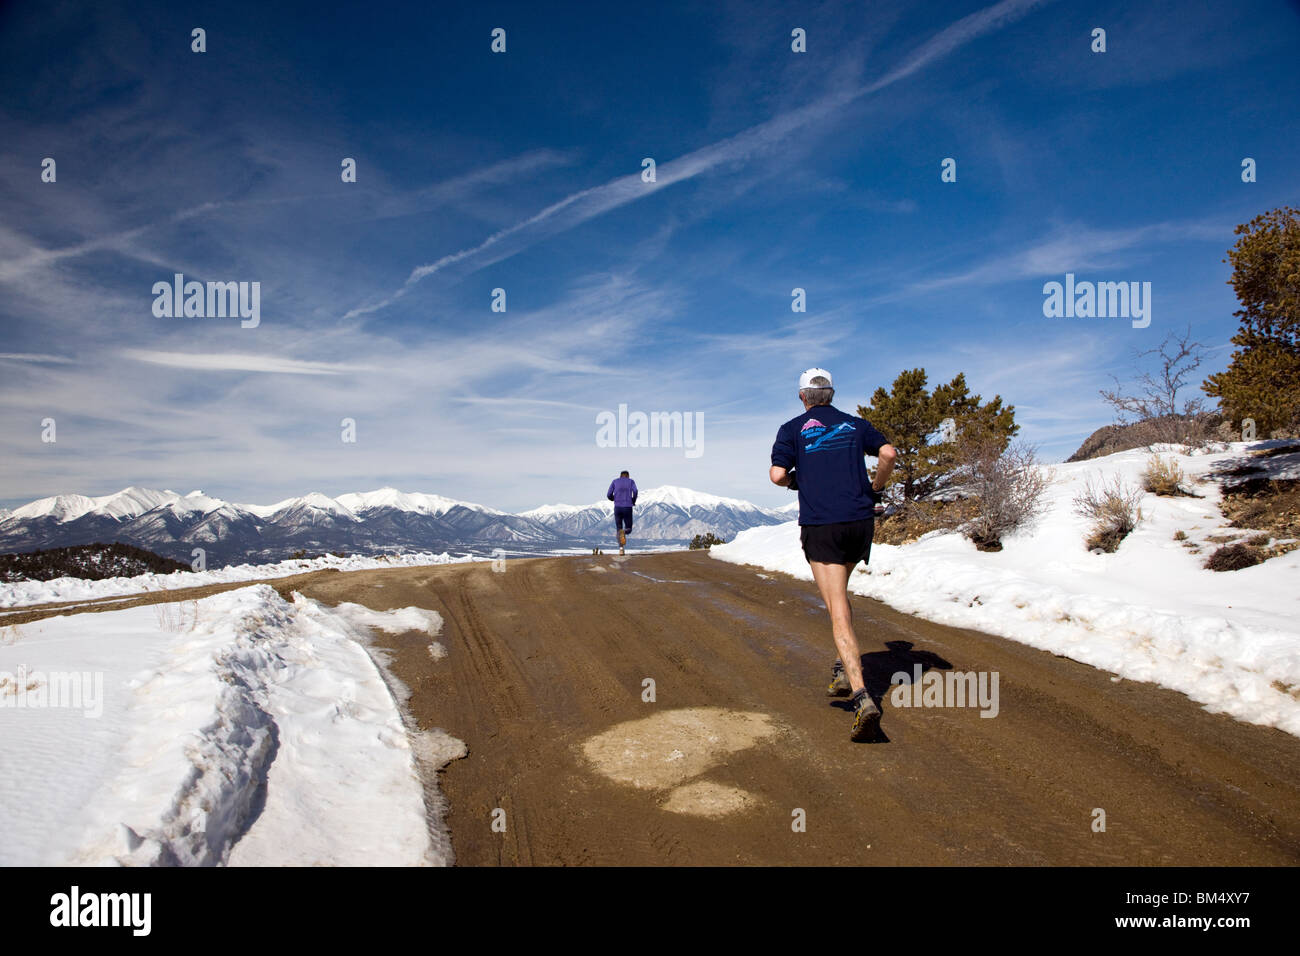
x,y
811,423
837,437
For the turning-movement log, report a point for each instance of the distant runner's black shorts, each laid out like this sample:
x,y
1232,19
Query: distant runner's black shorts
x,y
846,542
623,518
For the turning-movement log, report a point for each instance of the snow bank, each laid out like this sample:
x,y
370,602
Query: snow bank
x,y
24,593
1148,612
239,729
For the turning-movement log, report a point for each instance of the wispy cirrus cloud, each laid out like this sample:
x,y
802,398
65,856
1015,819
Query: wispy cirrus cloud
x,y
33,257
826,330
232,362
1067,249
587,204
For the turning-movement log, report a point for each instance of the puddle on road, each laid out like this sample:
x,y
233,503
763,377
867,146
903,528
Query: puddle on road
x,y
807,643
665,751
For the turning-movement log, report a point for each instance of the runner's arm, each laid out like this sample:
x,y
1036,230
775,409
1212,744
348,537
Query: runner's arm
x,y
780,476
783,459
884,467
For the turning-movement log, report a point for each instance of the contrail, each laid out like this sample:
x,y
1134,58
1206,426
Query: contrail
x,y
36,258
588,203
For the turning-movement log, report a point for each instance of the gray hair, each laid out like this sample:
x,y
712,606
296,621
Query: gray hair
x,y
821,395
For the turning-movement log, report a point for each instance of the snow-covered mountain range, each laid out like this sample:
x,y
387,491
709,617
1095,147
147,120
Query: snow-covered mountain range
x,y
382,521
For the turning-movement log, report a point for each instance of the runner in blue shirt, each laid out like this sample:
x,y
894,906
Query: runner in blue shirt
x,y
820,454
622,491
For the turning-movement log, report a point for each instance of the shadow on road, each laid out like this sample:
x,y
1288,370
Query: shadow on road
x,y
879,666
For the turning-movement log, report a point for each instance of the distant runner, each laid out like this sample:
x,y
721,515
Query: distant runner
x,y
622,491
820,454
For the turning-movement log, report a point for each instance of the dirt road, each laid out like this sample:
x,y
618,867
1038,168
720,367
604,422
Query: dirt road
x,y
740,758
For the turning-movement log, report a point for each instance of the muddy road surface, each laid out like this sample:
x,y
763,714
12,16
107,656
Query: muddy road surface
x,y
740,758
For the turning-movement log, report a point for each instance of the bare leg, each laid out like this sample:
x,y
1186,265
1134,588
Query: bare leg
x,y
833,582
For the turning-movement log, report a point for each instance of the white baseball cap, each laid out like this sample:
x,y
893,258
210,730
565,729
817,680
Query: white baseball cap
x,y
805,380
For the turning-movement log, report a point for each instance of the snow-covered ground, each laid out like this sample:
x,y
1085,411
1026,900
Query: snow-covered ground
x,y
1148,612
24,593
239,729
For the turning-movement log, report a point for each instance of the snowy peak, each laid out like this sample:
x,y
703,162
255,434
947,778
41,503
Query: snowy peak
x,y
686,498
325,503
127,503
59,507
132,502
313,504
358,502
556,511
415,502
194,501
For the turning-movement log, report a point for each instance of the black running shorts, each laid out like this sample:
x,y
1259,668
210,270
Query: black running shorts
x,y
623,518
846,542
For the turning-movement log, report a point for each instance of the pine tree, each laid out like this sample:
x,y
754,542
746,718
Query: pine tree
x,y
1262,380
910,416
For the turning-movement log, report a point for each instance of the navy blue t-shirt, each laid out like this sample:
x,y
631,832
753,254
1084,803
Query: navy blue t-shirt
x,y
826,448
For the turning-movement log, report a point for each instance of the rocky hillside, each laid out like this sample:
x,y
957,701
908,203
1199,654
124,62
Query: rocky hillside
x,y
1110,439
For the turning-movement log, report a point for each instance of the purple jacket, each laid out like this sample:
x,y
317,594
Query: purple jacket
x,y
623,491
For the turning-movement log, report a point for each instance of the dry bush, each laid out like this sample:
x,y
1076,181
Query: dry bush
x,y
1196,431
177,616
916,518
1233,557
1162,476
1226,431
1151,400
1007,487
1113,510
1000,491
1193,431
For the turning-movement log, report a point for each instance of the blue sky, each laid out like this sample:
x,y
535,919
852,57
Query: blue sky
x,y
522,171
